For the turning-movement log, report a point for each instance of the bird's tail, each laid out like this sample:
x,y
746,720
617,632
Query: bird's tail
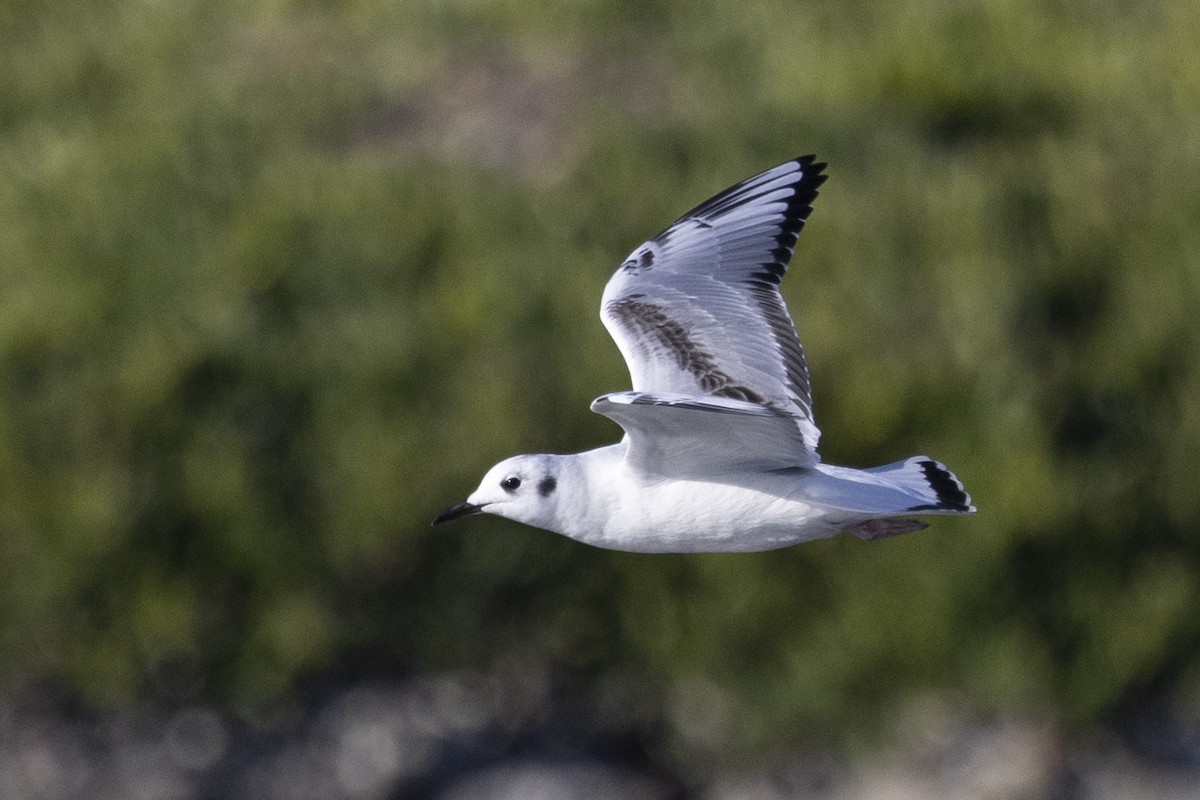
x,y
933,488
915,486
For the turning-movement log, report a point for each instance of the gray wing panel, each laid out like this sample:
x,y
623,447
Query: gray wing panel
x,y
697,309
675,435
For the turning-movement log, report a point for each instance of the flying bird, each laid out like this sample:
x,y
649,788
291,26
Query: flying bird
x,y
720,445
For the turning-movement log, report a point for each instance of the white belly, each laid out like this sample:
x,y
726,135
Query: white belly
x,y
695,516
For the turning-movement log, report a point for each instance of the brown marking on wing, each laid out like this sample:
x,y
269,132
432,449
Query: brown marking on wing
x,y
649,324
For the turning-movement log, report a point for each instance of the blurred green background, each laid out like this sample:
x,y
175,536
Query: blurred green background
x,y
279,280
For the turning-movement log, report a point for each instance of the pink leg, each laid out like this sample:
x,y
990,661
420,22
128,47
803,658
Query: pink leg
x,y
874,529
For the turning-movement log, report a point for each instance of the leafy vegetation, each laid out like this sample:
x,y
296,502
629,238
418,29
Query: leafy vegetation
x,y
281,279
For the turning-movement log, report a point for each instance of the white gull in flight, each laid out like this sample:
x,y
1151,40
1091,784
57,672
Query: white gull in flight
x,y
720,446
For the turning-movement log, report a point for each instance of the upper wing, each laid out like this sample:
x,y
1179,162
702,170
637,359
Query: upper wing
x,y
697,309
684,435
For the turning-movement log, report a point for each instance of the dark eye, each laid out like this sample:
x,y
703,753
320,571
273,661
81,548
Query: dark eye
x,y
511,483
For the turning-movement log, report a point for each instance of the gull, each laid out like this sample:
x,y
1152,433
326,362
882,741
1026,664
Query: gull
x,y
720,445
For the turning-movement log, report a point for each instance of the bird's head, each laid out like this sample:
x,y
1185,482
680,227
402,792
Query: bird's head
x,y
522,488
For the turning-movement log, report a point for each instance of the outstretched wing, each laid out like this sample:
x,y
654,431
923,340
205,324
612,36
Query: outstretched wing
x,y
682,436
697,309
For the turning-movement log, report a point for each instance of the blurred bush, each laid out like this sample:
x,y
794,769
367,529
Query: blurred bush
x,y
281,279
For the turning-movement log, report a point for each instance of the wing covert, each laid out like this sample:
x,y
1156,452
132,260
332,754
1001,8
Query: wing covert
x,y
697,308
680,435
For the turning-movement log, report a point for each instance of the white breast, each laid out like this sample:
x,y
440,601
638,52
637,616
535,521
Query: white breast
x,y
671,516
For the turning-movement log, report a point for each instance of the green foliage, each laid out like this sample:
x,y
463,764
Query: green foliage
x,y
281,279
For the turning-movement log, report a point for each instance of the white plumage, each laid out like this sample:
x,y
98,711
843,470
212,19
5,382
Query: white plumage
x,y
720,451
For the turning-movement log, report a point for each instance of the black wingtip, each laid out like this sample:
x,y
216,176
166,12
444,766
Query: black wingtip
x,y
812,175
803,182
799,204
812,168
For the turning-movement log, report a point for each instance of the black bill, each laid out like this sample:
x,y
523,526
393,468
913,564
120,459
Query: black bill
x,y
454,512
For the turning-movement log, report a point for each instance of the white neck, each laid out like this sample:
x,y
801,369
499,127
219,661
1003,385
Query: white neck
x,y
588,490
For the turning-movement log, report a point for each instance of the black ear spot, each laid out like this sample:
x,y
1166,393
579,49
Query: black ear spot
x,y
546,486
